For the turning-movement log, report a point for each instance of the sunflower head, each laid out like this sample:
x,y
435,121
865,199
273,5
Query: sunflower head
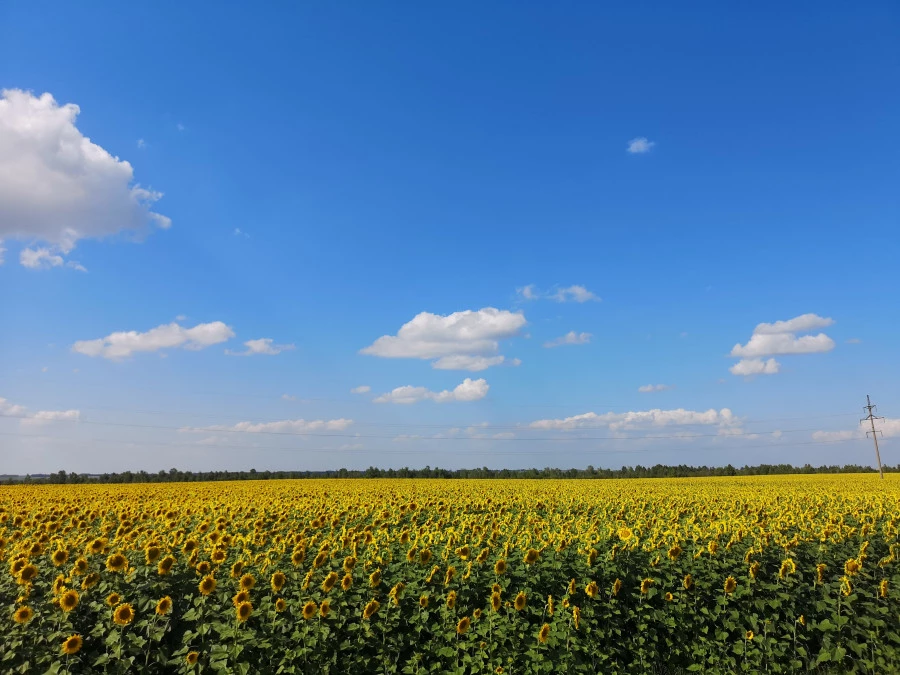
x,y
280,605
164,606
520,601
72,644
239,597
27,573
330,580
674,552
531,556
500,567
645,585
496,601
151,554
451,599
688,582
324,608
278,581
592,590
463,625
617,586
113,599
59,557
375,579
80,566
165,565
730,585
248,581
116,562
207,584
544,633
309,610
68,600
123,614
423,601
424,556
669,597
370,609
23,614
243,611
192,658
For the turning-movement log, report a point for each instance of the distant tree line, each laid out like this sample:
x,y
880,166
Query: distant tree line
x,y
638,471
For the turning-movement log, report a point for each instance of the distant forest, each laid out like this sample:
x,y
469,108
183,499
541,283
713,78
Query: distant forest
x,y
656,471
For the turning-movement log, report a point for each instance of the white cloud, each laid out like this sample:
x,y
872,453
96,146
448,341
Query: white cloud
x,y
141,143
767,344
26,418
2,251
780,337
466,362
889,428
58,187
853,341
648,388
260,346
641,420
467,390
799,324
288,397
40,258
432,336
570,338
639,145
749,367
362,389
574,293
123,344
280,427
238,232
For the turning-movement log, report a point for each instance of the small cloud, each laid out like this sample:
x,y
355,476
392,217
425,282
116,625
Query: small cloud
x,y
39,258
639,145
853,341
238,232
288,397
648,388
2,251
748,367
180,126
574,293
361,389
141,143
515,362
261,346
44,369
181,317
468,390
570,338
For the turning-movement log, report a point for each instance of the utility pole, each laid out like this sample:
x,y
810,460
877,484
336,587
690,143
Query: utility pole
x,y
870,418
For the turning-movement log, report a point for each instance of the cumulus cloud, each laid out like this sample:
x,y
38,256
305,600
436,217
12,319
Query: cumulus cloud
x,y
288,397
649,388
27,418
56,186
748,367
280,426
461,334
780,337
574,293
261,346
42,258
889,428
570,338
123,344
643,419
361,389
639,145
467,390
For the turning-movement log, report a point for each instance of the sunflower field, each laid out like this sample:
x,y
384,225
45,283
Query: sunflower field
x,y
711,575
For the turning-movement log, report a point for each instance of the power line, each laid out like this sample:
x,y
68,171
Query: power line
x,y
870,418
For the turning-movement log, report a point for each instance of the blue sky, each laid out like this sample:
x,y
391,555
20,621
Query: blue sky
x,y
652,183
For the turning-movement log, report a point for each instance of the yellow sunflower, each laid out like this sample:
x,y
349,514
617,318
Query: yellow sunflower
x,y
72,645
164,606
123,614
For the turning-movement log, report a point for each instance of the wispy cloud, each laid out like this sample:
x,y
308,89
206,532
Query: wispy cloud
x,y
467,390
570,338
648,388
123,344
574,293
640,145
263,346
